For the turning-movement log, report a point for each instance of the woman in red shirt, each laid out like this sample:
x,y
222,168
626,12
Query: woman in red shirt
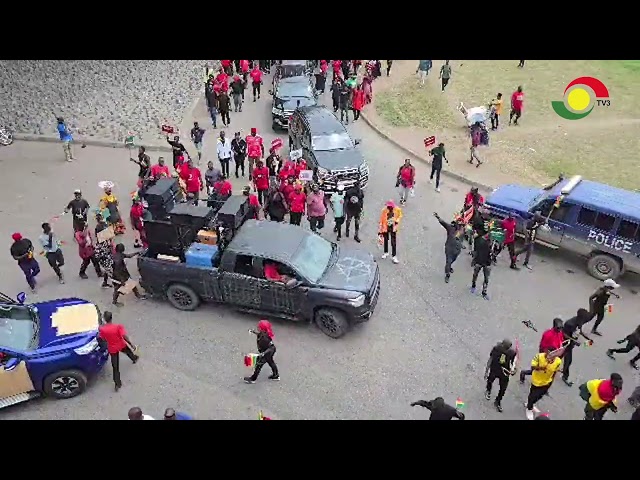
x,y
406,180
260,177
223,187
358,102
297,202
136,213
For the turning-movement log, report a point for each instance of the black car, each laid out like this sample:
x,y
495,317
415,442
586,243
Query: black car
x,y
332,285
290,93
327,147
290,69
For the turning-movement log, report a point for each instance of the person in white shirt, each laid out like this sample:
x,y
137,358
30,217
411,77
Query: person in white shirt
x,y
135,413
224,153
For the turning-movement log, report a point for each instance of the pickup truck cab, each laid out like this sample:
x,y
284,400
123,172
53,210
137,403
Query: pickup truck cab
x,y
333,286
590,219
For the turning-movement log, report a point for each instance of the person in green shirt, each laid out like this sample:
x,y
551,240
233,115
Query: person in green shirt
x,y
445,74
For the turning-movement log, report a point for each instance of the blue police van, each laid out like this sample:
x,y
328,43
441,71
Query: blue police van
x,y
596,221
48,348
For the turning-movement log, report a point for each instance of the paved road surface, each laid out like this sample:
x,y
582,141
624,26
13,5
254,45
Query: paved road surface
x,y
425,339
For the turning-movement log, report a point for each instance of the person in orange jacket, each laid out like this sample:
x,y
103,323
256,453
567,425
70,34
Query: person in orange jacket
x,y
388,229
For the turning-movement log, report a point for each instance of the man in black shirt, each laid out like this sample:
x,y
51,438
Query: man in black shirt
x,y
531,233
121,273
500,366
335,93
177,148
452,246
144,162
237,91
438,153
354,203
22,251
239,148
197,135
345,102
598,302
79,209
571,329
481,261
439,409
633,341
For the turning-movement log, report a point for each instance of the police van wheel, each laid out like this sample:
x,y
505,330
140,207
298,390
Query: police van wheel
x,y
603,267
65,384
182,297
332,322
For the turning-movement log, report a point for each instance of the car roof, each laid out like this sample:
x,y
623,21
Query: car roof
x,y
606,198
321,120
278,241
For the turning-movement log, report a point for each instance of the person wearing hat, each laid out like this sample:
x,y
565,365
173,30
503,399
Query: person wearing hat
x,y
337,205
633,341
255,148
388,229
66,138
598,302
22,251
79,209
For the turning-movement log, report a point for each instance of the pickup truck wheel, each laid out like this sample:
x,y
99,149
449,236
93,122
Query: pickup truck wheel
x,y
183,297
332,322
604,266
65,384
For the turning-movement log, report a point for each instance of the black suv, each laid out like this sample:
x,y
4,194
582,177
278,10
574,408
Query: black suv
x,y
290,69
289,94
327,148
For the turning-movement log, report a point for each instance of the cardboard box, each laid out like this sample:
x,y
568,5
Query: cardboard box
x,y
106,235
207,237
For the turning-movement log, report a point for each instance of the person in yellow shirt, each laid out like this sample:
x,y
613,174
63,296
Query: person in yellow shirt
x,y
601,395
544,366
496,111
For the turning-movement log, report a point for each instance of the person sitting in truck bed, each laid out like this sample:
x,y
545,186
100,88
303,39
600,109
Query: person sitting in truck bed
x,y
271,273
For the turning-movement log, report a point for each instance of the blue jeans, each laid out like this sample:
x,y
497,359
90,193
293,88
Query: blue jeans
x,y
214,117
30,268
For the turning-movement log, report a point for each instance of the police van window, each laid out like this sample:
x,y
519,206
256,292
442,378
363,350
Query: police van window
x,y
629,230
587,217
604,222
559,214
244,265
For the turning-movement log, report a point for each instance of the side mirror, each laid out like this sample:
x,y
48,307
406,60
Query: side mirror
x,y
357,141
293,283
21,297
11,364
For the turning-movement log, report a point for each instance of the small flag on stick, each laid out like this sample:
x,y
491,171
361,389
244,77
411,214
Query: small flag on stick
x,y
250,360
610,308
559,199
459,403
588,343
262,417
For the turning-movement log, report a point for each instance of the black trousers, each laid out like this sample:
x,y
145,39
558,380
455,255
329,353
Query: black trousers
x,y
356,114
450,257
503,382
635,396
591,414
262,361
239,159
316,223
356,222
390,235
256,89
336,104
56,260
514,116
115,363
445,82
224,116
436,171
85,263
630,346
511,248
261,196
295,218
599,316
526,248
495,121
338,222
567,360
486,272
224,166
535,394
344,111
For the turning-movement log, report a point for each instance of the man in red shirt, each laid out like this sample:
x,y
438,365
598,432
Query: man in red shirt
x,y
517,101
223,187
256,81
337,69
509,226
261,180
297,202
552,340
159,170
255,148
222,79
192,178
117,341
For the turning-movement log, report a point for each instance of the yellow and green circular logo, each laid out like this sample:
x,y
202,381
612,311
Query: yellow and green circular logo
x,y
580,98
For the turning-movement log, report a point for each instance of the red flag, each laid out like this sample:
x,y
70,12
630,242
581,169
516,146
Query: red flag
x,y
168,129
429,141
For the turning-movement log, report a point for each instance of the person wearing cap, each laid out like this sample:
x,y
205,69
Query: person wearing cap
x,y
51,246
388,228
66,138
601,395
22,251
79,209
171,414
337,205
255,148
297,203
598,302
633,341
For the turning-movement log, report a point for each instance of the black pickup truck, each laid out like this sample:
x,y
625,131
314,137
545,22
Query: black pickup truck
x,y
334,286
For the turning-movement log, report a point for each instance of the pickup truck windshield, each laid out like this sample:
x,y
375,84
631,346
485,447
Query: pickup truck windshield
x,y
312,257
18,328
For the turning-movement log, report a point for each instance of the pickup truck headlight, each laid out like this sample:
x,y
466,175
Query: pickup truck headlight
x,y
88,348
322,172
357,302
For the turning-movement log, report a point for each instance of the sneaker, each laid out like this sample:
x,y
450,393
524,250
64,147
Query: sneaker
x,y
521,377
487,395
61,280
275,378
357,239
633,365
249,380
385,255
430,181
395,260
498,406
530,414
527,266
472,289
84,276
514,267
485,295
567,382
595,332
346,234
610,355
438,189
447,278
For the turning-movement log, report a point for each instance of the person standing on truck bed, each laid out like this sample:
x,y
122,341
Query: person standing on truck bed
x,y
266,351
598,302
121,274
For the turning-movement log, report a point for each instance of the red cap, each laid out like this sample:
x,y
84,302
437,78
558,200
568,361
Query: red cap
x,y
391,204
254,130
16,236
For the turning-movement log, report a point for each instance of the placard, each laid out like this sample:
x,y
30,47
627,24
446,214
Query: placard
x,y
295,154
106,235
128,286
429,141
306,175
277,143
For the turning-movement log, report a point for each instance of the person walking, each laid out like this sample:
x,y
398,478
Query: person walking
x,y
423,70
237,89
197,135
389,64
178,150
545,367
266,352
552,339
66,138
104,250
135,413
255,148
256,81
445,74
600,396
224,106
517,103
496,111
224,151
438,154
481,261
571,329
388,229
354,206
598,302
297,201
211,176
239,149
531,232
345,102
86,251
476,141
501,366
79,209
144,165
316,208
358,102
52,250
336,87
276,205
22,251
212,104
509,226
115,335
633,341
121,274
261,180
439,409
452,245
521,64
405,180
337,205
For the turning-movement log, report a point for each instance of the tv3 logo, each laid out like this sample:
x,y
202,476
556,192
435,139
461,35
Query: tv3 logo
x,y
604,103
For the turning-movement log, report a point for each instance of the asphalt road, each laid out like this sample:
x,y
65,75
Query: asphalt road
x,y
426,338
